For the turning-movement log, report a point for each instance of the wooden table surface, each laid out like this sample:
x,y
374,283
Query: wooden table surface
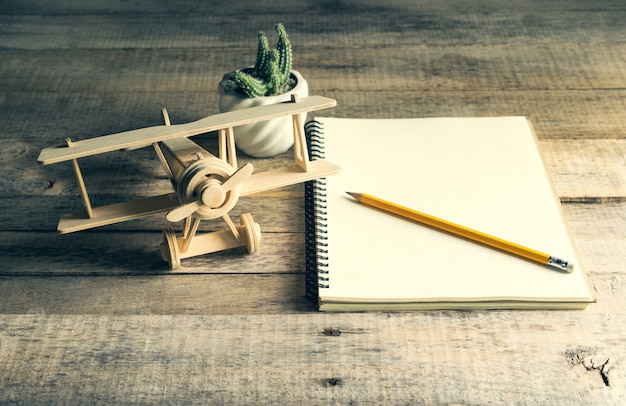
x,y
97,317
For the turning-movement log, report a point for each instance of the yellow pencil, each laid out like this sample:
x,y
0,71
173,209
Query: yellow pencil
x,y
465,232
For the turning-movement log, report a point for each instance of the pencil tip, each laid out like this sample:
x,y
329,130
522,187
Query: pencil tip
x,y
356,196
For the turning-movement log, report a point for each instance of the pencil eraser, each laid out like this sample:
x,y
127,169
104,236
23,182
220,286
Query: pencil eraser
x,y
560,264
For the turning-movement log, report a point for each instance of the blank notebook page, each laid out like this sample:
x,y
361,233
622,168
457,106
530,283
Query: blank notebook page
x,y
483,173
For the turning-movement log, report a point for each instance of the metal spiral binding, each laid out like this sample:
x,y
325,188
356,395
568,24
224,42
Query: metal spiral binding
x,y
315,219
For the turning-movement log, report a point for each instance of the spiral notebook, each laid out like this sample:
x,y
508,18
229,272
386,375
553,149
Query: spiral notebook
x,y
483,173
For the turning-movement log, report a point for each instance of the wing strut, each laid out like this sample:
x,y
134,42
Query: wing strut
x,y
159,152
81,183
301,154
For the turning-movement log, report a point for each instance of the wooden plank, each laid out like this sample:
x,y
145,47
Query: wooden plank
x,y
115,7
278,211
595,228
598,161
57,281
499,67
368,23
555,114
211,292
166,294
587,171
359,358
129,253
31,123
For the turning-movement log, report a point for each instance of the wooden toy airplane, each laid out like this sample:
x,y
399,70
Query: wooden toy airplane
x,y
205,186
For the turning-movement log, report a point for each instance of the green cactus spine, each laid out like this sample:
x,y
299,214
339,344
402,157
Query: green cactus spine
x,y
271,74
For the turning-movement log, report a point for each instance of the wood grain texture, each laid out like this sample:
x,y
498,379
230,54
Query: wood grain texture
x,y
359,358
97,317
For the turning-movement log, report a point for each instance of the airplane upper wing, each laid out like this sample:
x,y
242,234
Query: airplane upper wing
x,y
147,136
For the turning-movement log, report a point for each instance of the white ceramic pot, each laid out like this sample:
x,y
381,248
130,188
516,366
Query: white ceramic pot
x,y
266,138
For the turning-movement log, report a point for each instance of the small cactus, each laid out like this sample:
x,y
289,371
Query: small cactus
x,y
271,74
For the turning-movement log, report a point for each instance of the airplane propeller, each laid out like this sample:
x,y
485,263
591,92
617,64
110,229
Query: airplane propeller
x,y
212,194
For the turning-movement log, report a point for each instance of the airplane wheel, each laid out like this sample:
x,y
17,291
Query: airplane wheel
x,y
253,233
169,248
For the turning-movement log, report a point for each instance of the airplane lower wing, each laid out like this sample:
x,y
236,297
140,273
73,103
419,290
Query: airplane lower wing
x,y
288,175
135,209
117,213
